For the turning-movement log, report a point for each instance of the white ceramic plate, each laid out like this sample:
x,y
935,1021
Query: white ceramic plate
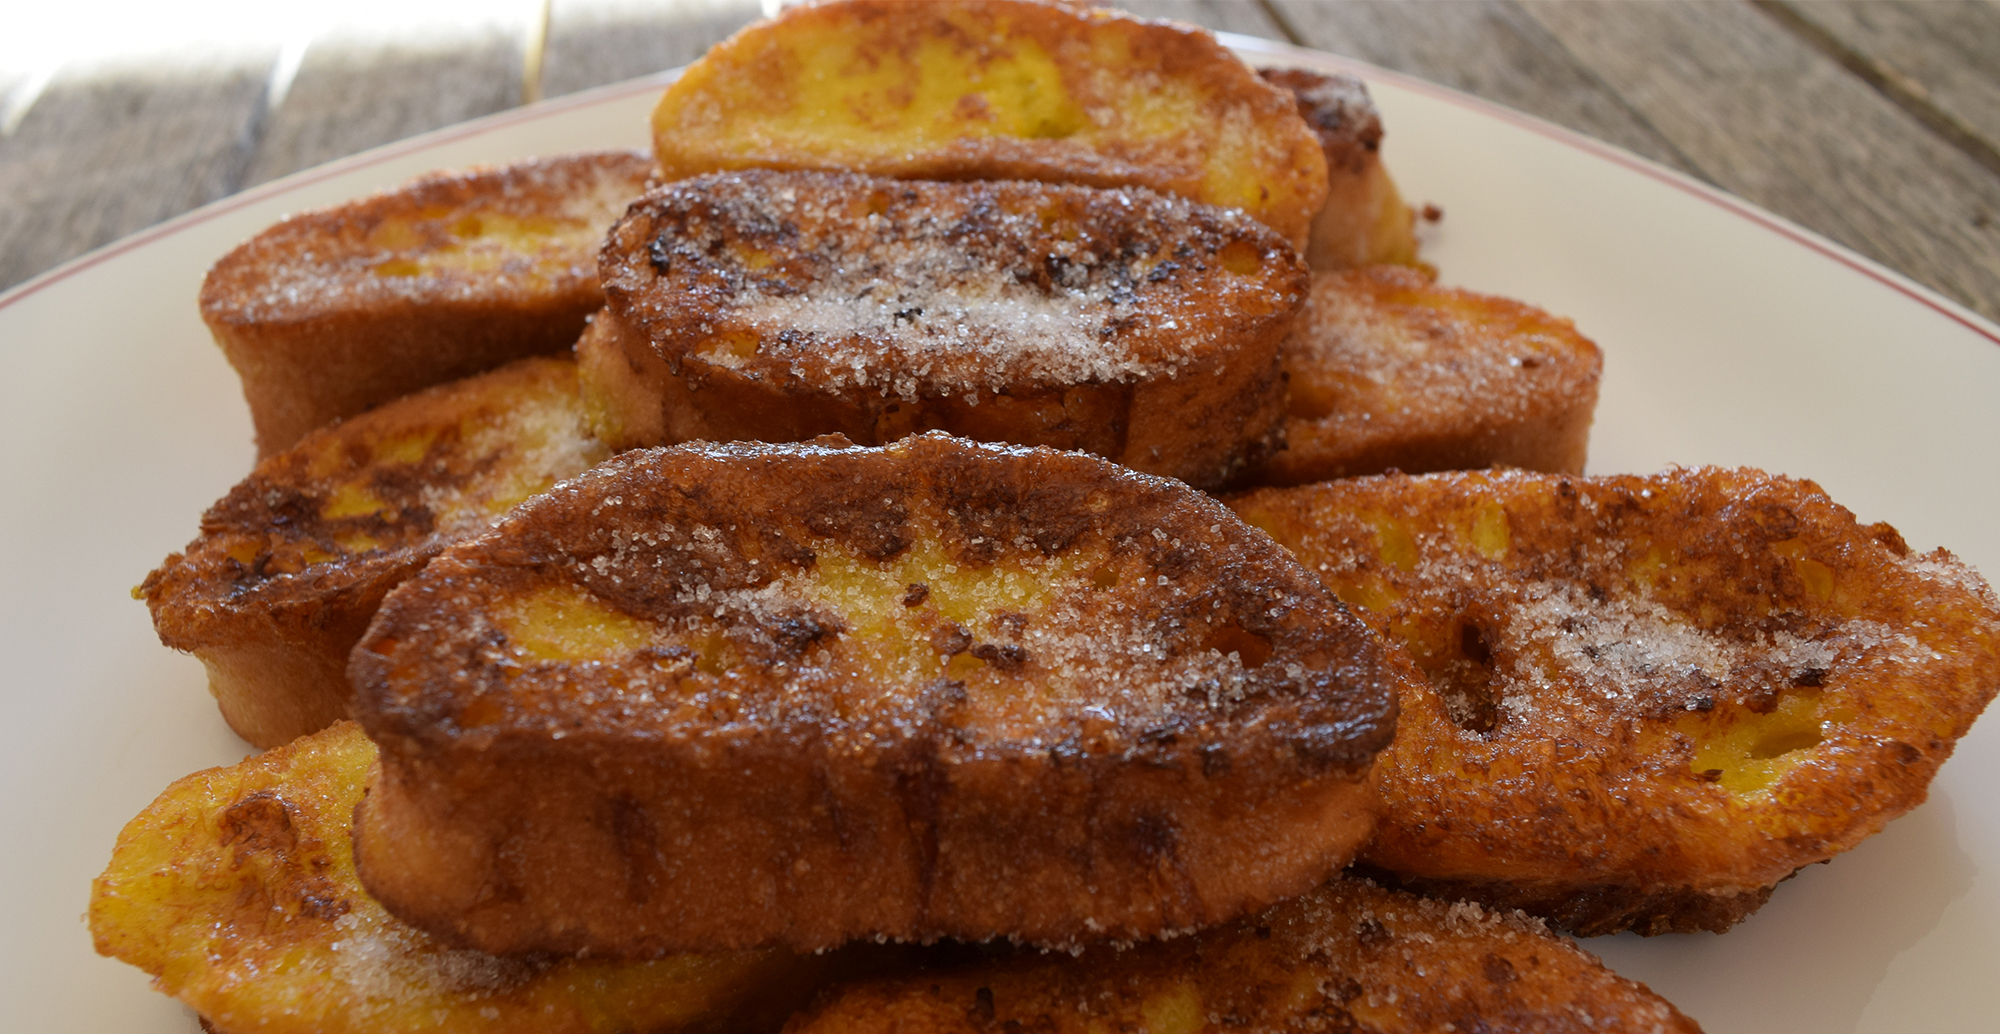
x,y
1730,337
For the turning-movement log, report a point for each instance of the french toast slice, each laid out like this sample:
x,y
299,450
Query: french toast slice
x,y
1387,369
291,564
333,312
1650,699
236,891
1364,221
1349,957
777,306
740,695
996,89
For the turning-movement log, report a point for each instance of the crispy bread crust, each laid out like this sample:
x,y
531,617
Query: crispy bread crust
x,y
292,563
1137,326
1348,957
1364,221
236,890
996,89
1023,741
333,312
1650,698
1388,370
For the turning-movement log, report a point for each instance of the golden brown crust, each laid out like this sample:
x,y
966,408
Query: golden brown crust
x,y
1364,221
333,312
746,694
1388,370
1137,326
1650,698
996,89
291,563
1349,957
236,890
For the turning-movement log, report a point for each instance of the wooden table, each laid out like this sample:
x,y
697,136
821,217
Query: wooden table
x,y
1876,123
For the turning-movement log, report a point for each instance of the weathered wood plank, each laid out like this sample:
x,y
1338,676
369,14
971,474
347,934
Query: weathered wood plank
x,y
1939,61
105,152
1250,19
593,42
354,93
1488,48
1775,121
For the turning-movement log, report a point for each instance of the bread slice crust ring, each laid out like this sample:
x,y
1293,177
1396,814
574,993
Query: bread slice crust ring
x,y
292,563
332,312
1649,699
795,695
767,306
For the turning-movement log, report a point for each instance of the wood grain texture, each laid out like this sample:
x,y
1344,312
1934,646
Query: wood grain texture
x,y
1761,98
1771,119
355,93
108,152
1938,60
1488,48
593,42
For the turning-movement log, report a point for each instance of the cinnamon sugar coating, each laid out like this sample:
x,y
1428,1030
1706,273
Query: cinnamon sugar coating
x,y
777,306
332,312
744,695
236,890
1386,369
1649,699
291,564
996,90
1365,221
1348,957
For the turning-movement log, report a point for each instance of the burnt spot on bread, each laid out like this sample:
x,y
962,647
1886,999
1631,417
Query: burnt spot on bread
x,y
950,639
284,867
797,632
1005,656
261,821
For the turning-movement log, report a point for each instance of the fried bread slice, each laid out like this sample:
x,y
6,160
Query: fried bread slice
x,y
1387,369
1349,957
236,891
1650,699
1364,221
749,694
773,306
336,311
291,563
996,89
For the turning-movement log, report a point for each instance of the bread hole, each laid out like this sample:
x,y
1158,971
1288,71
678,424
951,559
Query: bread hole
x,y
1783,742
1464,681
1103,579
1241,258
1746,751
1249,647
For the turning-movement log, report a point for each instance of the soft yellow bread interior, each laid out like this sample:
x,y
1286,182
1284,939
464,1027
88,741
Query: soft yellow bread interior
x,y
1021,634
291,564
236,890
993,89
1650,699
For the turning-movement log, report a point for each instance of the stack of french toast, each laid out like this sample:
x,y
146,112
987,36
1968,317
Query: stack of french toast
x,y
991,526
